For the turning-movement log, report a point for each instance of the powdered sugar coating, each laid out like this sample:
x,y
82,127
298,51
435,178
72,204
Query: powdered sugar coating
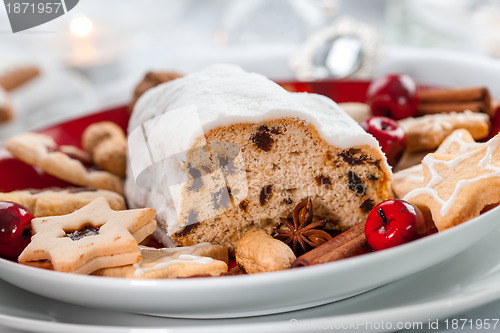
x,y
220,95
225,95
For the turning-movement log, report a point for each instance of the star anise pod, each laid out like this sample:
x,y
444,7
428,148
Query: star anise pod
x,y
300,232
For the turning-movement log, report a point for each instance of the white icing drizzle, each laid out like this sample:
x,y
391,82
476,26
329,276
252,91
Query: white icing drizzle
x,y
174,255
443,121
173,250
485,163
457,137
415,178
413,174
182,259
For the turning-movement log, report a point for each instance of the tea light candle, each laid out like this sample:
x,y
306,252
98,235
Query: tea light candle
x,y
90,50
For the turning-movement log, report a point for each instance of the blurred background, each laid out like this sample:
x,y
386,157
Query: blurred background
x,y
92,57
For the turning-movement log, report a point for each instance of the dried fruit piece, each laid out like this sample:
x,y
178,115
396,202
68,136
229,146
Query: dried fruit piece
x,y
265,193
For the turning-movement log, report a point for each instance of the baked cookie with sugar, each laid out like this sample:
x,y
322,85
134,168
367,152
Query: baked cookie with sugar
x,y
458,188
457,143
42,151
88,239
202,259
407,179
106,143
427,132
61,201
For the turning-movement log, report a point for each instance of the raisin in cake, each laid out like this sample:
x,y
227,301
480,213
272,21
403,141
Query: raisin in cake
x,y
222,151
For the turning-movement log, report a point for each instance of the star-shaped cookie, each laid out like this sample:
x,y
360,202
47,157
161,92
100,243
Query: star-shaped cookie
x,y
458,188
89,239
457,143
61,201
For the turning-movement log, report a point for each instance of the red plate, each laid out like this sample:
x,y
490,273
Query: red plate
x,y
16,175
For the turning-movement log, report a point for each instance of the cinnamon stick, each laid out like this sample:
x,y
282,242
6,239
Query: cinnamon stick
x,y
476,99
348,244
453,95
432,108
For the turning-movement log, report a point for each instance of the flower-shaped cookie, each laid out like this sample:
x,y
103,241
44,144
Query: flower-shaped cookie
x,y
88,239
61,201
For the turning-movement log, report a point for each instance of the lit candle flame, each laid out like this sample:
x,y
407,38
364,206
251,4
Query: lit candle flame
x,y
81,26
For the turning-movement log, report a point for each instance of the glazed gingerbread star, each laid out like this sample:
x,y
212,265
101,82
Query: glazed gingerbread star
x,y
89,239
459,187
457,143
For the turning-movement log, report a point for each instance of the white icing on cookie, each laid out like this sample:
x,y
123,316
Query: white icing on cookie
x,y
413,174
172,250
431,162
457,138
181,258
442,121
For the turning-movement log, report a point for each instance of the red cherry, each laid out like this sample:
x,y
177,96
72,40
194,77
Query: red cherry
x,y
390,136
394,96
395,222
15,229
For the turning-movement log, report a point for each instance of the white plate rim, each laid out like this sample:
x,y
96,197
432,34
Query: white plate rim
x,y
263,277
484,224
421,312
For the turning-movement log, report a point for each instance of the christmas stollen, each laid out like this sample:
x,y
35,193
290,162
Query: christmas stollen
x,y
222,151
